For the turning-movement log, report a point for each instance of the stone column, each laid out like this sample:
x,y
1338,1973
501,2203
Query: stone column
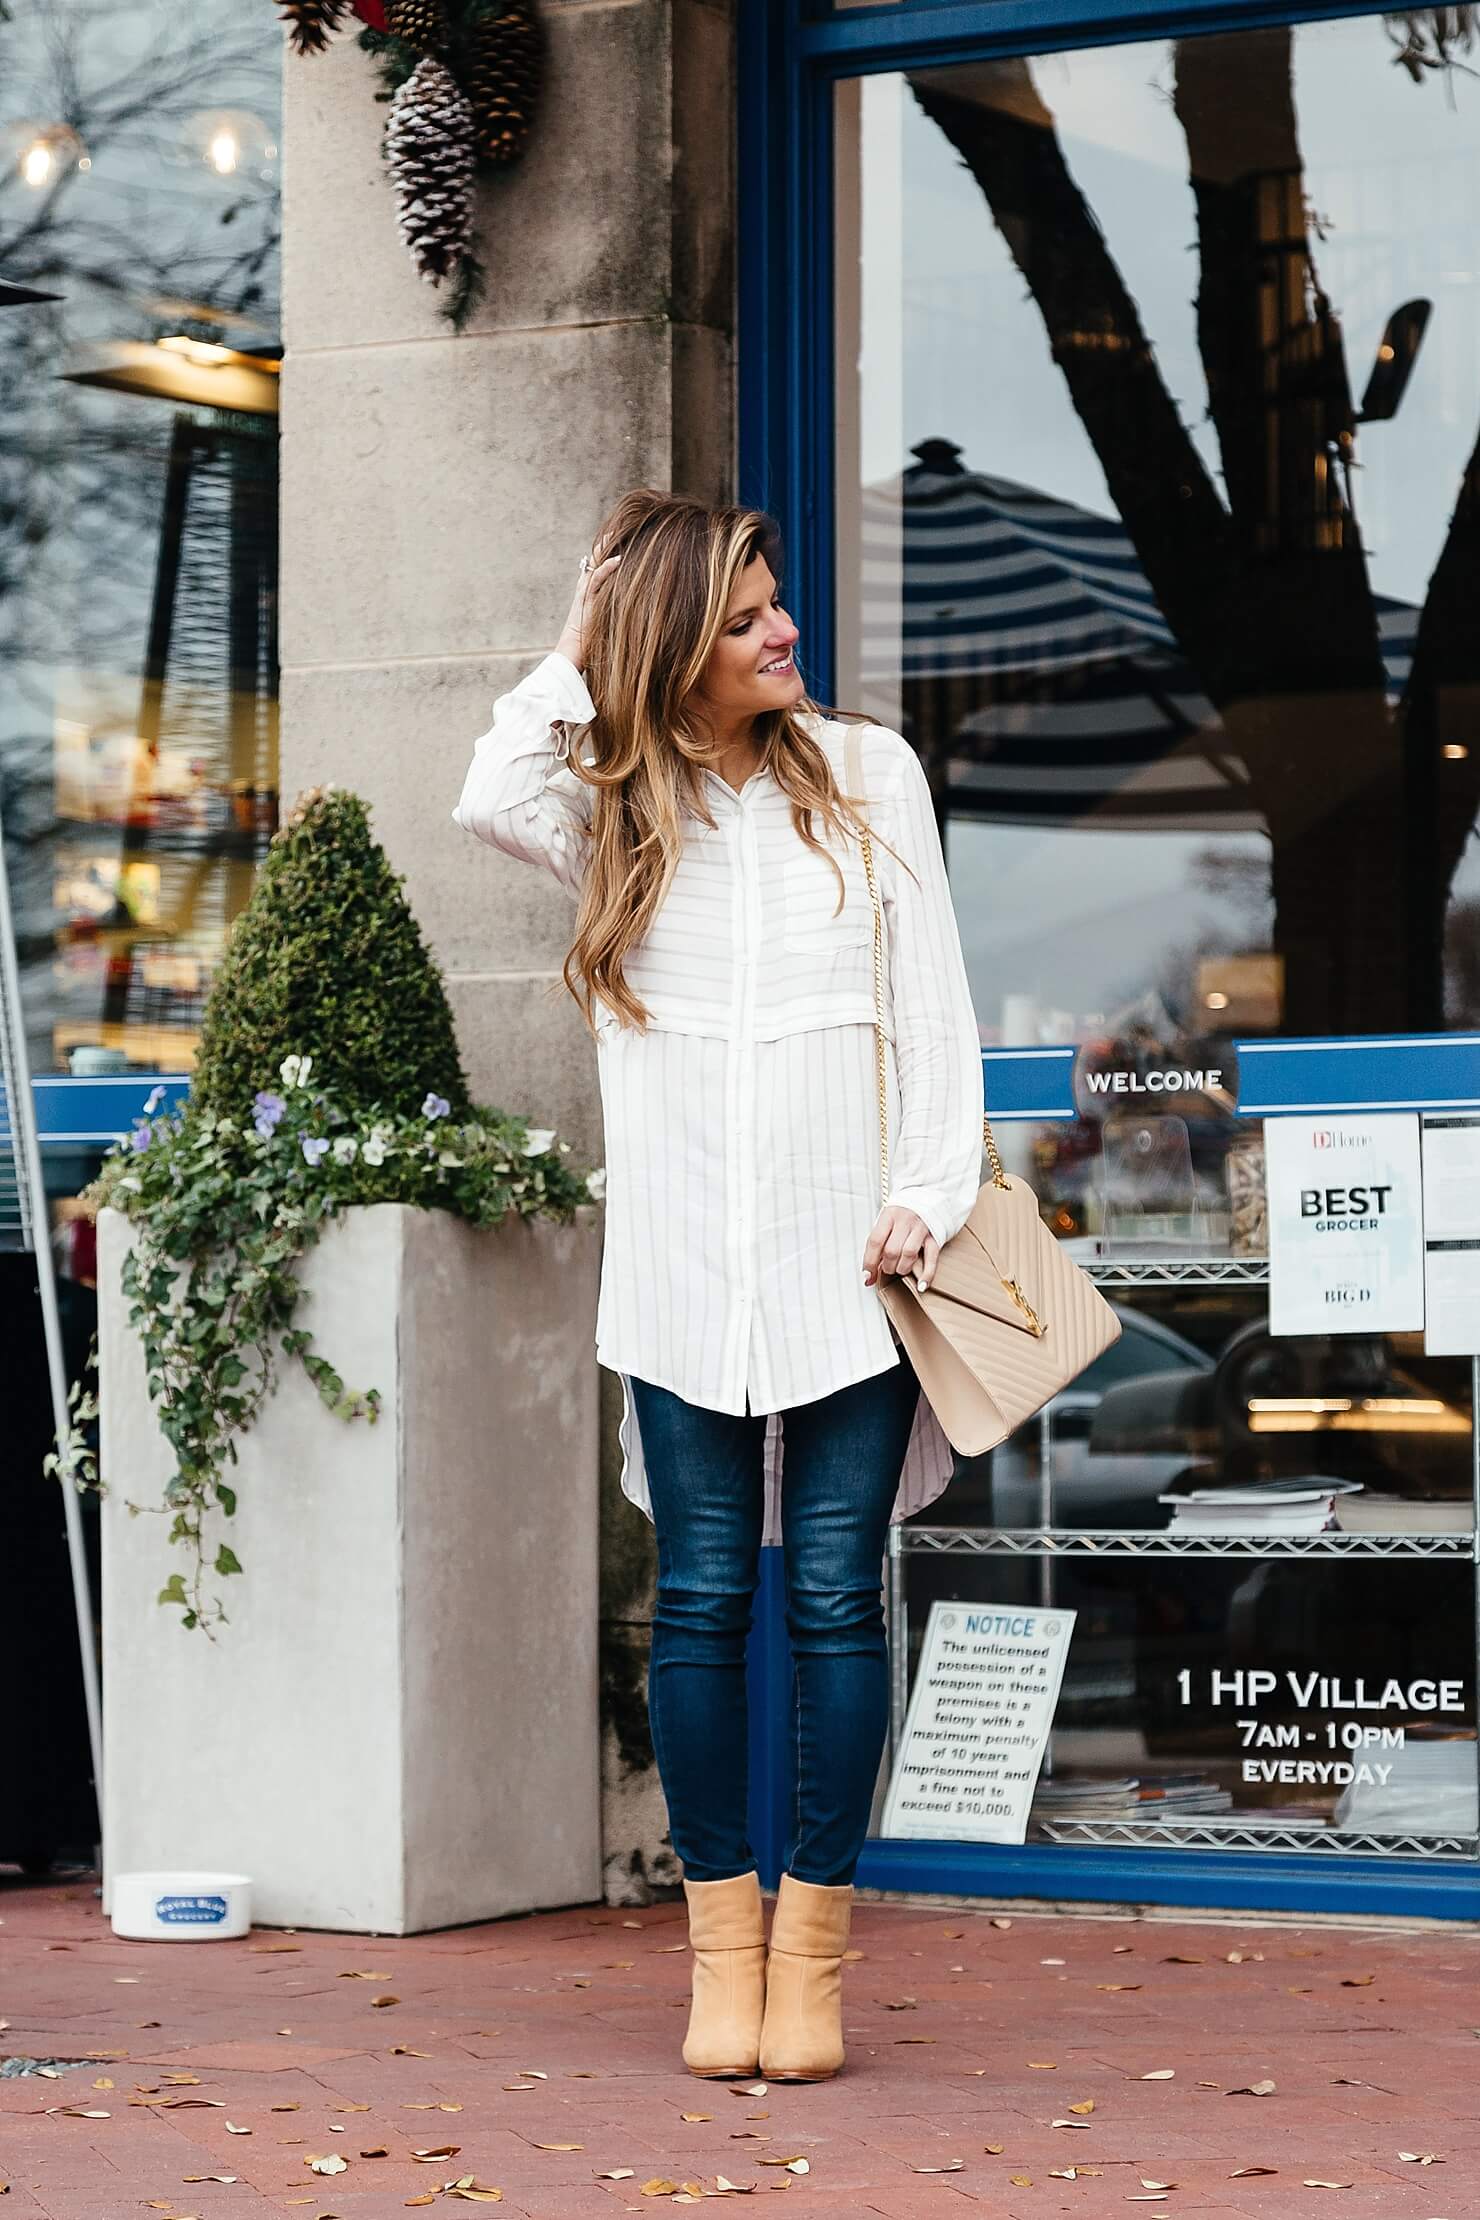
x,y
438,491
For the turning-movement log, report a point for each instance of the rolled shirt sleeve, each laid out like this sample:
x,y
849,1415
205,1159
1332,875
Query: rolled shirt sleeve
x,y
935,1162
519,793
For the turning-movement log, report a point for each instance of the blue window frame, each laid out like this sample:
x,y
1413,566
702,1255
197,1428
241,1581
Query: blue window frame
x,y
790,59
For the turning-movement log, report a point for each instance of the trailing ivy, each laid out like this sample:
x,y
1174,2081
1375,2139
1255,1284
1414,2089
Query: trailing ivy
x,y
223,1210
328,1076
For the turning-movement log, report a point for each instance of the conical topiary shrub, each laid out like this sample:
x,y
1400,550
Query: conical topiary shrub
x,y
327,960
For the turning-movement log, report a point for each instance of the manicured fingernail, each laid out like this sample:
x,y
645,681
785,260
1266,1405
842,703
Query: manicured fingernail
x,y
920,1281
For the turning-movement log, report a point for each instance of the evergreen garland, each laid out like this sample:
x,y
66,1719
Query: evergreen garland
x,y
495,52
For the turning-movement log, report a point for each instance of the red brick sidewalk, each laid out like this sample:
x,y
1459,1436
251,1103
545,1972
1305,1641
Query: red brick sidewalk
x,y
546,2050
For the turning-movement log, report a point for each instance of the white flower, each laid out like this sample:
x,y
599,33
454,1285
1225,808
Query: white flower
x,y
374,1150
346,1149
293,1071
538,1139
596,1183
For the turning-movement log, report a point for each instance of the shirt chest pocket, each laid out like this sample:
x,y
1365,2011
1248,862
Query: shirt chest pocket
x,y
812,921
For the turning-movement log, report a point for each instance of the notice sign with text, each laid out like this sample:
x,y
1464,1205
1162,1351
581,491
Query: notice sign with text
x,y
1345,1224
1451,1215
978,1722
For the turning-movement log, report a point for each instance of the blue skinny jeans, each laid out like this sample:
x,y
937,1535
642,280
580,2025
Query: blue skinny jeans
x,y
843,1455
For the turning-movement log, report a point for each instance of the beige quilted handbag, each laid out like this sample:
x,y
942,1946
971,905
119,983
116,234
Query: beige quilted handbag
x,y
1008,1318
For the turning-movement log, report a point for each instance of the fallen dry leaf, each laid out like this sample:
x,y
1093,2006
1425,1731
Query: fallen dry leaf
x,y
476,2193
1177,1959
1071,2124
376,2150
385,2000
1314,2182
357,1973
1117,1988
1358,1980
1420,2158
440,2150
1001,1922
266,1947
1087,2106
996,2149
207,2177
429,2199
333,2164
1019,2181
1042,2066
1254,2089
696,2115
403,2050
293,2107
658,2186
947,2166
560,2146
1145,2184
1161,2073
618,2173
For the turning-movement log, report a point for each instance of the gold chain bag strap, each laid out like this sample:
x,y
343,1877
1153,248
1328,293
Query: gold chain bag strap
x,y
1008,1319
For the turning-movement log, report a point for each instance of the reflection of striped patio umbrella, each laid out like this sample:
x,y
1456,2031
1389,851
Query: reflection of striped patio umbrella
x,y
1035,659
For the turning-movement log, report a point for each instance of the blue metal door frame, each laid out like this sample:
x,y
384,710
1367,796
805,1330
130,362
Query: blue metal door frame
x,y
789,61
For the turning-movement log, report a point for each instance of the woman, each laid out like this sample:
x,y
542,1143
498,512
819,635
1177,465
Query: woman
x,y
723,957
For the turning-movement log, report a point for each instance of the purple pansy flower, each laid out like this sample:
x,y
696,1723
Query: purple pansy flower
x,y
314,1148
141,1136
435,1106
267,1108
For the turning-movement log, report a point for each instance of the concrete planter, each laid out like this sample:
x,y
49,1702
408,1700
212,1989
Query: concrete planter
x,y
398,1728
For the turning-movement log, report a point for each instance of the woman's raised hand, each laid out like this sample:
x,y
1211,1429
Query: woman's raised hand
x,y
574,634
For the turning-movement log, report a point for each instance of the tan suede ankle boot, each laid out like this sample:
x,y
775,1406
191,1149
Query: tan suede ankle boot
x,y
728,1935
802,2032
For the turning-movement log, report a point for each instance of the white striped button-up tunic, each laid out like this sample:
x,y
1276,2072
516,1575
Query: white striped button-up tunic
x,y
741,1130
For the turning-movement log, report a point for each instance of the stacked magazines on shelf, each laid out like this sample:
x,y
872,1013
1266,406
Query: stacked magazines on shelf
x,y
1079,1796
1375,1513
1305,1506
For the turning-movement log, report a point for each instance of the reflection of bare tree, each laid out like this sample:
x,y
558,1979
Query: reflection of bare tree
x,y
1265,584
148,240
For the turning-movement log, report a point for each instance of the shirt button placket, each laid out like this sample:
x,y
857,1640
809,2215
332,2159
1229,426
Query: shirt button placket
x,y
745,1093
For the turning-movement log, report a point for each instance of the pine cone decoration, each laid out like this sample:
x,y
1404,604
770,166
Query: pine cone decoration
x,y
421,23
429,154
311,24
505,69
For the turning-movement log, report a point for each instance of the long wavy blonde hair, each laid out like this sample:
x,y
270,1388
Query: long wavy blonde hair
x,y
653,624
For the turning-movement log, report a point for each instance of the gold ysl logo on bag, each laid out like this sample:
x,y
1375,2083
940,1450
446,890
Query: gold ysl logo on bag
x,y
1025,1307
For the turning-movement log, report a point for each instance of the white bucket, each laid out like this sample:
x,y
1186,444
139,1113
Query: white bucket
x,y
181,1907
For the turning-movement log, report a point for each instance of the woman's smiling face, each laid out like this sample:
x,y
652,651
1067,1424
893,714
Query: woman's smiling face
x,y
750,669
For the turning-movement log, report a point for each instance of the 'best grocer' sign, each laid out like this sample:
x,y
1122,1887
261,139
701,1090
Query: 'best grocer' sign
x,y
1345,1224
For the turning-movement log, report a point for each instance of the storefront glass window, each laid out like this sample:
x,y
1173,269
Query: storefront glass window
x,y
1157,407
138,395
